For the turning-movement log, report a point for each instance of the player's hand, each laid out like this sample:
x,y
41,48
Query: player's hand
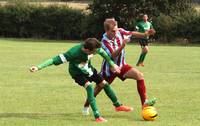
x,y
115,69
33,69
151,32
127,40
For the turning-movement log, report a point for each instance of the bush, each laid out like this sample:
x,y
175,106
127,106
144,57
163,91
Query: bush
x,y
184,26
164,26
126,12
187,25
56,22
50,22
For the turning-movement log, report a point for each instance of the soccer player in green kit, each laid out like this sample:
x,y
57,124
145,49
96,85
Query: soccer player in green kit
x,y
84,73
143,26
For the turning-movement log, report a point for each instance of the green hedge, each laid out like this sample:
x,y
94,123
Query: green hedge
x,y
185,26
50,22
56,22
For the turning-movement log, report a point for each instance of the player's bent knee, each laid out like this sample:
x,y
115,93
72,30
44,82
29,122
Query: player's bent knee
x,y
145,50
140,76
87,84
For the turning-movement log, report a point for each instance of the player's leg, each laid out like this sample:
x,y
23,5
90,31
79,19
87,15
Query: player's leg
x,y
83,81
110,93
144,46
141,54
133,73
92,101
145,50
102,84
97,90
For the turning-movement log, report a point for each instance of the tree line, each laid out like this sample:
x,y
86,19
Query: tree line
x,y
172,19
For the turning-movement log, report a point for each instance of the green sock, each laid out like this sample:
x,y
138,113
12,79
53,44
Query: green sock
x,y
140,59
92,101
144,54
110,93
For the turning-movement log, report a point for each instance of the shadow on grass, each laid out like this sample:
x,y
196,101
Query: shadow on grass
x,y
65,116
126,117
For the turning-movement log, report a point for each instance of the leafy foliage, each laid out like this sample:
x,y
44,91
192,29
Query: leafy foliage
x,y
50,22
165,14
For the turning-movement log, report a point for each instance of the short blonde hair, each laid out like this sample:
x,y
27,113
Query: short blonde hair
x,y
109,23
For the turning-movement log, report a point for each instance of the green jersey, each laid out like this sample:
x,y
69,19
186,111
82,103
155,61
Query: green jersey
x,y
79,61
143,26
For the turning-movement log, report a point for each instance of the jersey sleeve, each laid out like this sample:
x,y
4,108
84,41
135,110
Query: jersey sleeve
x,y
64,57
59,59
44,64
101,52
124,32
137,27
151,26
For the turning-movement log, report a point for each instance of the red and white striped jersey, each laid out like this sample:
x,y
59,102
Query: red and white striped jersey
x,y
112,45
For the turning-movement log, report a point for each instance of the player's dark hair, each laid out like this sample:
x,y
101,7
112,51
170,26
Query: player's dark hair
x,y
91,44
140,17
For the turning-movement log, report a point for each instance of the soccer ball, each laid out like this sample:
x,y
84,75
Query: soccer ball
x,y
149,113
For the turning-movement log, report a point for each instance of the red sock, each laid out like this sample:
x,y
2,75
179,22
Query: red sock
x,y
141,90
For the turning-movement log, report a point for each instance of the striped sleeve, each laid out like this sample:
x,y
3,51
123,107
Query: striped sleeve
x,y
107,47
125,32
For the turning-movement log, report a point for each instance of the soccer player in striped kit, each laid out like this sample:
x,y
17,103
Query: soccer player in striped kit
x,y
113,42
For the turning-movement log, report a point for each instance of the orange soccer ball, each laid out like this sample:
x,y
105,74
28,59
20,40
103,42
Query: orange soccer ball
x,y
149,113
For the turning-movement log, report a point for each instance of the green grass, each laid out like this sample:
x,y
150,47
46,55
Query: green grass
x,y
51,98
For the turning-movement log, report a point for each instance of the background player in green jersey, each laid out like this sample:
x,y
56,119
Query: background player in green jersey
x,y
143,26
84,73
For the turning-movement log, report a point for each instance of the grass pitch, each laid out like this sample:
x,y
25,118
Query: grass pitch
x,y
51,98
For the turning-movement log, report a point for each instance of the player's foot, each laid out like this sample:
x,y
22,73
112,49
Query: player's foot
x,y
140,64
123,108
100,120
85,111
149,102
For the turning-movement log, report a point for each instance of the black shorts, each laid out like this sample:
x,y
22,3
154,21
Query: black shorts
x,y
143,42
81,78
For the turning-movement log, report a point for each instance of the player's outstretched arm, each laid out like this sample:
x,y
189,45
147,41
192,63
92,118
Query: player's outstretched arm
x,y
42,65
139,34
57,60
114,67
143,35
